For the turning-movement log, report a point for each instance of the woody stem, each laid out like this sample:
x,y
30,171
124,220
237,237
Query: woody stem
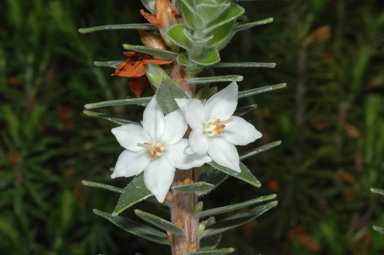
x,y
183,203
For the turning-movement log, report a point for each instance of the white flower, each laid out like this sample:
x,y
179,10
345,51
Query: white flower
x,y
214,128
157,148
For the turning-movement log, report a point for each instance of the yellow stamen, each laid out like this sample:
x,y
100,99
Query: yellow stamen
x,y
215,127
153,150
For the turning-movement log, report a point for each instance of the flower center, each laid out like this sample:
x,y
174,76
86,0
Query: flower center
x,y
154,150
215,126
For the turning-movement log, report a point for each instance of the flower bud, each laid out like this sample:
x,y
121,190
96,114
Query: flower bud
x,y
155,74
198,207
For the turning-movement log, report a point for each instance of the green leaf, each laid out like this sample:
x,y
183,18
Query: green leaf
x,y
209,11
109,118
224,78
132,194
379,229
102,186
244,65
234,207
213,176
260,149
149,5
228,16
251,92
244,110
130,101
213,252
146,26
178,36
167,93
191,17
208,56
378,191
199,187
111,64
220,34
135,228
244,175
152,51
159,222
209,242
183,60
238,219
245,26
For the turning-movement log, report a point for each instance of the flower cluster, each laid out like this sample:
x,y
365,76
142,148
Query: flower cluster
x,y
157,147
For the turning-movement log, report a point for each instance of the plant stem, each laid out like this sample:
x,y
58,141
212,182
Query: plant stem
x,y
184,203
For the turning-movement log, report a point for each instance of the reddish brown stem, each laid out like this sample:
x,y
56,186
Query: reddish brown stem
x,y
184,203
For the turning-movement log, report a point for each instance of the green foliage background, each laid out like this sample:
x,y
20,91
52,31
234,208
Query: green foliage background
x,y
330,118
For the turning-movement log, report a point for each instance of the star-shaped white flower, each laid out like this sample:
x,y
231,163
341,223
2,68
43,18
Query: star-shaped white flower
x,y
214,128
157,148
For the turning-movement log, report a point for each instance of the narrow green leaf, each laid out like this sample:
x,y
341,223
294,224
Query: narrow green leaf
x,y
379,229
214,252
245,26
244,65
244,110
208,56
260,149
178,36
209,243
244,175
132,194
152,51
102,186
143,26
109,118
238,219
111,64
166,95
213,176
130,101
199,187
251,92
378,191
224,78
234,207
135,228
159,222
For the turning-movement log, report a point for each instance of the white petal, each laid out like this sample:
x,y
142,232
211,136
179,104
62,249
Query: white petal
x,y
224,153
153,120
223,104
183,103
130,163
175,127
179,159
198,141
158,177
240,132
195,115
130,135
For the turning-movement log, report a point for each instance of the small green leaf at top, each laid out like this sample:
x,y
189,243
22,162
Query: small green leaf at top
x,y
214,252
159,222
166,95
132,194
245,174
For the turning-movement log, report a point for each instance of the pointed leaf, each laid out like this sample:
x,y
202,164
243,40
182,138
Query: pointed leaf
x,y
244,65
213,176
159,222
229,16
209,242
167,93
245,26
208,56
130,101
109,118
132,194
102,186
379,229
208,11
238,219
244,110
111,64
244,175
146,26
152,51
234,207
191,17
251,92
199,187
178,36
213,252
224,78
378,191
135,228
260,150
220,34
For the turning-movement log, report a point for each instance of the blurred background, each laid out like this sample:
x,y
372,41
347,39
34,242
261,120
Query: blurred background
x,y
330,119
